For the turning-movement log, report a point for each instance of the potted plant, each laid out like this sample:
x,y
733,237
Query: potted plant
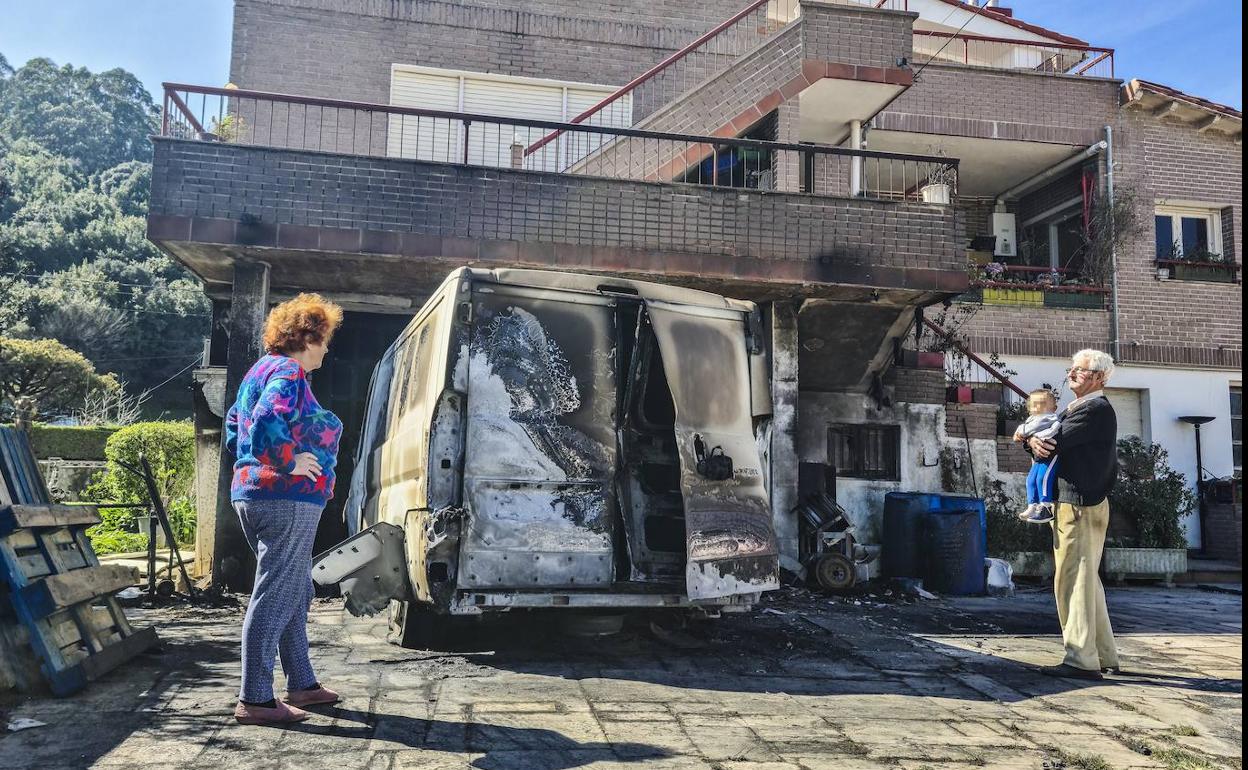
x,y
996,273
1013,415
1201,264
1154,498
938,187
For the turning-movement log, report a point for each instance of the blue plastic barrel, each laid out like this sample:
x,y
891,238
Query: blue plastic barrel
x,y
905,520
954,553
968,503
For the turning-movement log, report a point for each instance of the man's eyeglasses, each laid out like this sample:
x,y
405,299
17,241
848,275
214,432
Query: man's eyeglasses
x,y
1075,371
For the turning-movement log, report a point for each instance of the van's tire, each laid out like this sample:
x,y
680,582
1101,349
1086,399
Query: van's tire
x,y
416,627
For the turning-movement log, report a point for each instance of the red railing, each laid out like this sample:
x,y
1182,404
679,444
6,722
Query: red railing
x,y
984,367
697,61
1052,58
728,39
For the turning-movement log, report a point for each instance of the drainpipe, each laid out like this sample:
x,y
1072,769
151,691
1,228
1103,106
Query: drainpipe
x,y
1049,173
855,163
1114,345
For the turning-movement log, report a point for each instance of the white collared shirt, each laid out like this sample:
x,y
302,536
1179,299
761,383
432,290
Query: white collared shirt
x,y
1084,399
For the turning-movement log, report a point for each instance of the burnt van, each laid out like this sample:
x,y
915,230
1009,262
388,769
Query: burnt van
x,y
543,440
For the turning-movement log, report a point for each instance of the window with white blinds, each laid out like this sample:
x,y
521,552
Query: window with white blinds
x,y
489,144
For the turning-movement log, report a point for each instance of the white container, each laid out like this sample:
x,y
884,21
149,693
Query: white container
x,y
1160,563
936,193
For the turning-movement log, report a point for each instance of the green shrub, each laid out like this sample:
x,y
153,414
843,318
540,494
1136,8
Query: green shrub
x,y
1006,534
170,450
1151,494
69,442
106,541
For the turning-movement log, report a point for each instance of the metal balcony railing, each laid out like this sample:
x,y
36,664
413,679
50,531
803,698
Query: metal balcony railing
x,y
1004,53
262,119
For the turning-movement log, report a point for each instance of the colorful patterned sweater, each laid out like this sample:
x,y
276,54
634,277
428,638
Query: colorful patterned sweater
x,y
275,418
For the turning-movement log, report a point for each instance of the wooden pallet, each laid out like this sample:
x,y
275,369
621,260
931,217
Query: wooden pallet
x,y
55,583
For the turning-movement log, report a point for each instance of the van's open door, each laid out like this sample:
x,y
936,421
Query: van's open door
x,y
730,541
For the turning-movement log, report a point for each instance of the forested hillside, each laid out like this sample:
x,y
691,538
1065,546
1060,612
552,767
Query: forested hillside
x,y
74,264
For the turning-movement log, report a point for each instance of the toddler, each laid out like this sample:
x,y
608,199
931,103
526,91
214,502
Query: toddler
x,y
1042,479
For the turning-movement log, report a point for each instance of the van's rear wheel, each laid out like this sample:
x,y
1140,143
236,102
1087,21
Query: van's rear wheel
x,y
416,627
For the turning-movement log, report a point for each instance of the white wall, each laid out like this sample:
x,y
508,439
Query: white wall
x,y
922,434
1168,394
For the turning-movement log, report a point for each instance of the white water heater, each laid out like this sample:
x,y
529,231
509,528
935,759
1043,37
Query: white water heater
x,y
1007,238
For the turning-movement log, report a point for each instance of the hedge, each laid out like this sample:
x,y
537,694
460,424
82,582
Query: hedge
x,y
69,442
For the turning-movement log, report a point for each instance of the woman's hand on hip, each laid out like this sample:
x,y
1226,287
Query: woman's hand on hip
x,y
306,465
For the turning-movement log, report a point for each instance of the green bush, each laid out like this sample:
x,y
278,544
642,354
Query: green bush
x,y
1151,494
170,450
1006,534
69,442
107,541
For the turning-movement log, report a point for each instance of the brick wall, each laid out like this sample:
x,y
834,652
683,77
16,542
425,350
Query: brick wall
x,y
344,48
825,237
1178,321
1224,531
1011,457
1027,331
916,386
859,35
960,100
981,420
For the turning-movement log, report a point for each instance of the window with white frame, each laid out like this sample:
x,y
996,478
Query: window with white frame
x,y
1188,232
1237,423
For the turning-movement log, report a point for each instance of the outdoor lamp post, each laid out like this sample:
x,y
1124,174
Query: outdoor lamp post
x,y
1197,421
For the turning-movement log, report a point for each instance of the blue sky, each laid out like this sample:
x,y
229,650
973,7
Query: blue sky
x,y
1194,45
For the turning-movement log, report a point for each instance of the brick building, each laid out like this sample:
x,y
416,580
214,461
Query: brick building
x,y
845,163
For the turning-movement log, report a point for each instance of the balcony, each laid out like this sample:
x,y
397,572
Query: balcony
x,y
1034,287
378,200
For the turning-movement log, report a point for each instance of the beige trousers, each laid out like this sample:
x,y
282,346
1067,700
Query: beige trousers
x,y
1078,542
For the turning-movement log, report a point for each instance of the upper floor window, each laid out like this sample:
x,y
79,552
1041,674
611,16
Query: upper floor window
x,y
1188,232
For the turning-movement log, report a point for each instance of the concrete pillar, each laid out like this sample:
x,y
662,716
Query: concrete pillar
x,y
783,317
234,564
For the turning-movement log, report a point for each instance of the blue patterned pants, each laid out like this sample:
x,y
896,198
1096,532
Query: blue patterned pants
x,y
280,532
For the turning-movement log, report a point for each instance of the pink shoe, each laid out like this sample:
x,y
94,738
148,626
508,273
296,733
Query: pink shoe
x,y
247,714
321,696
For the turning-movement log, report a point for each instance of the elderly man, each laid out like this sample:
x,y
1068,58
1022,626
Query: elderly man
x,y
1086,444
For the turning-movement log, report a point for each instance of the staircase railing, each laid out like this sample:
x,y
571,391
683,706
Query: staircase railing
x,y
666,80
984,366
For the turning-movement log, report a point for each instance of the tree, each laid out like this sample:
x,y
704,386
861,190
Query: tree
x,y
75,263
56,377
97,120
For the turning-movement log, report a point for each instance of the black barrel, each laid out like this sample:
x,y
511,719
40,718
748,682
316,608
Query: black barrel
x,y
954,552
905,519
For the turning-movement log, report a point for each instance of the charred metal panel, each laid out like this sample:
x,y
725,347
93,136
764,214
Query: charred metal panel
x,y
540,437
731,545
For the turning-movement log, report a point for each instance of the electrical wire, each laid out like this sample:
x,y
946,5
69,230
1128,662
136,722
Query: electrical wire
x,y
975,12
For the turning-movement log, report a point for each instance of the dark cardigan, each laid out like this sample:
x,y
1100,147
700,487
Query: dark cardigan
x,y
1087,450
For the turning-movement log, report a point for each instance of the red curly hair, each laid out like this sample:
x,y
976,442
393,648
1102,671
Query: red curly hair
x,y
292,326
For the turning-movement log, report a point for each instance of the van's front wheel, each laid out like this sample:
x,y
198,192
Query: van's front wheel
x,y
416,627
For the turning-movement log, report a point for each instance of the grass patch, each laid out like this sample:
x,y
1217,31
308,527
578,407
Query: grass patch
x,y
1179,759
1083,761
1186,731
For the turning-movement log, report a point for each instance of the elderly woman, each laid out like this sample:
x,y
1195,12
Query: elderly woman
x,y
1086,440
286,447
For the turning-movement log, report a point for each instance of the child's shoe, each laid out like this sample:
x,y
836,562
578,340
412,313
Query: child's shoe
x,y
1028,512
1042,515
